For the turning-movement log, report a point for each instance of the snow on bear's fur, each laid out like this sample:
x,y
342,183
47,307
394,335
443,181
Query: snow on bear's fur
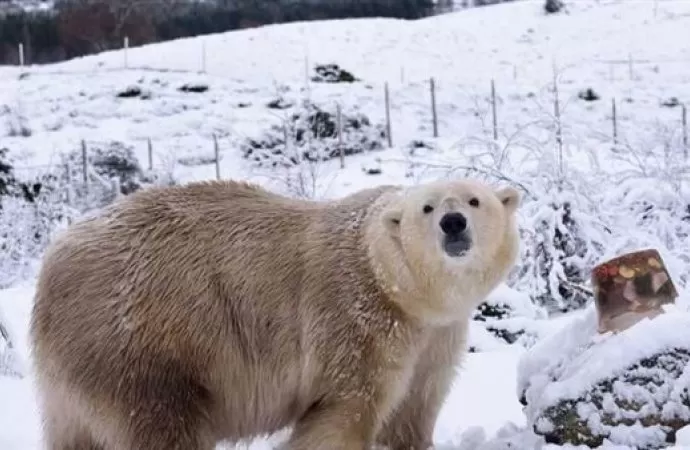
x,y
181,316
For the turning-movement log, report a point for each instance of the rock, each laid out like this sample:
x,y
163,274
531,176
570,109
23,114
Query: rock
x,y
130,92
671,102
588,95
193,87
419,147
553,6
580,387
373,171
279,103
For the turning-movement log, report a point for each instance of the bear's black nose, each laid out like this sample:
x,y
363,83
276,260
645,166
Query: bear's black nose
x,y
453,223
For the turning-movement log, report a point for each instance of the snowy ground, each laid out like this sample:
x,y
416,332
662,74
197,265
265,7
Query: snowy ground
x,y
628,51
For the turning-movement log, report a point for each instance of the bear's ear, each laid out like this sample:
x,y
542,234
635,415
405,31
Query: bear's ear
x,y
391,220
510,197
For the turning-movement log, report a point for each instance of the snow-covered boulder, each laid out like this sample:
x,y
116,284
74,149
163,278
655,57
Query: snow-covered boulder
x,y
580,387
506,317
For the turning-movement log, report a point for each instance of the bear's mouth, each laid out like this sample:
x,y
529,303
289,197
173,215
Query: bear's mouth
x,y
457,245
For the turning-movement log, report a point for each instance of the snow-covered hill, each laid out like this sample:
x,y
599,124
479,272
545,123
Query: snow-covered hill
x,y
598,45
635,53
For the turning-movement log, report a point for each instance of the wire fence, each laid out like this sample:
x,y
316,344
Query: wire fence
x,y
441,105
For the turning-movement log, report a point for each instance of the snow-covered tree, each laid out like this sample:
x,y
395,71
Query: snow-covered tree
x,y
562,239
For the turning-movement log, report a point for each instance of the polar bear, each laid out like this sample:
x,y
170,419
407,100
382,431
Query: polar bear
x,y
219,311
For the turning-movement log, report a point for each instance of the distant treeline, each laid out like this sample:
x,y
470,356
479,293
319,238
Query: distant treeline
x,y
81,27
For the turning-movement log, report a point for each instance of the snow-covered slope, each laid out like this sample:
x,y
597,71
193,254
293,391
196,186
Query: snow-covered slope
x,y
635,52
598,45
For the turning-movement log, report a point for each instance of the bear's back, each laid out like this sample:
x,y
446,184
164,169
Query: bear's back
x,y
204,281
143,276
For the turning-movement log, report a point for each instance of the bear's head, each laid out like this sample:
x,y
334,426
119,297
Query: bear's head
x,y
442,247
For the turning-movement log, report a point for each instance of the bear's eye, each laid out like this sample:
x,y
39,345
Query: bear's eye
x,y
474,202
427,209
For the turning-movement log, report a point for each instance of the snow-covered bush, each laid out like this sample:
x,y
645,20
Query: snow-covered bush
x,y
10,364
561,233
509,316
562,239
568,226
27,222
332,73
10,186
6,174
651,212
572,218
310,133
16,122
626,388
112,170
33,209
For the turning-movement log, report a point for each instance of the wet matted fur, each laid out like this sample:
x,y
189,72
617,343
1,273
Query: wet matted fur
x,y
186,315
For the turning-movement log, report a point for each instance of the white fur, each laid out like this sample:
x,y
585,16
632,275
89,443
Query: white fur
x,y
407,245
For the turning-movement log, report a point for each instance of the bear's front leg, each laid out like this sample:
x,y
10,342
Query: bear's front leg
x,y
411,425
341,425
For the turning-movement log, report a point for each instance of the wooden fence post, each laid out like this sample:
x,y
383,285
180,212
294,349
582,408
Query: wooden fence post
x,y
684,120
68,190
614,119
493,109
217,152
434,117
126,49
203,56
306,74
339,120
150,151
84,164
388,115
557,113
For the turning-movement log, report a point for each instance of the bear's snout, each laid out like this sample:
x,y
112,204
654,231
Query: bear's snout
x,y
457,240
453,223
